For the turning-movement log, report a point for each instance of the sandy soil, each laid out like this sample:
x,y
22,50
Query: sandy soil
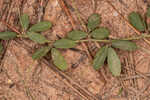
x,y
21,78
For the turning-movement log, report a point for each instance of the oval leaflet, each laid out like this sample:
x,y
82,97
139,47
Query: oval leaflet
x,y
100,58
64,43
136,20
24,21
124,45
58,59
41,52
7,35
1,47
93,21
148,12
100,33
113,61
41,26
76,35
37,37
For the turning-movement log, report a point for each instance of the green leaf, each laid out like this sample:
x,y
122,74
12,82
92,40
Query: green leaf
x,y
41,53
37,37
93,21
77,35
41,26
148,26
148,12
136,20
58,59
124,45
100,33
7,35
64,43
113,61
24,21
100,58
1,47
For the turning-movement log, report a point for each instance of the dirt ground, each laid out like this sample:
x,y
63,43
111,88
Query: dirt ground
x,y
21,78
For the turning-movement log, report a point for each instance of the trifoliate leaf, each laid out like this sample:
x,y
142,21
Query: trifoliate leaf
x,y
100,58
113,61
124,45
41,53
58,59
41,26
36,37
64,43
136,20
148,12
1,48
93,21
100,33
76,35
7,35
24,21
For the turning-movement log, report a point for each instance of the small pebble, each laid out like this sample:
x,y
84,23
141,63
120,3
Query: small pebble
x,y
115,14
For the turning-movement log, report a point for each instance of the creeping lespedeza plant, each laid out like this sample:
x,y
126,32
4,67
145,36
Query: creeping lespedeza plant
x,y
95,34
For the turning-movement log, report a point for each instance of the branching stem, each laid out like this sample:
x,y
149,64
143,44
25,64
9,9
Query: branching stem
x,y
108,41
